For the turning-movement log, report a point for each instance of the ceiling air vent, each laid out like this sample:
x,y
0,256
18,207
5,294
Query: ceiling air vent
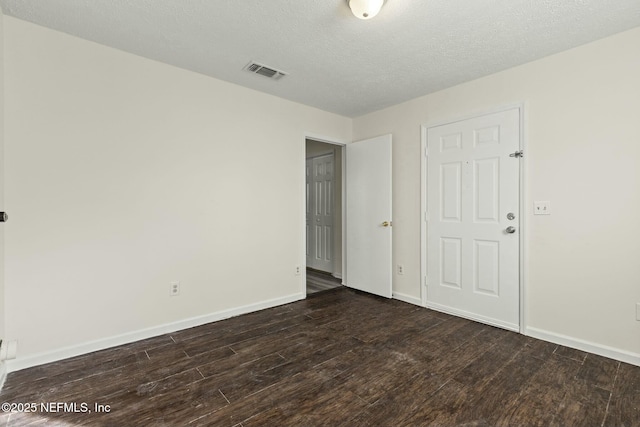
x,y
263,70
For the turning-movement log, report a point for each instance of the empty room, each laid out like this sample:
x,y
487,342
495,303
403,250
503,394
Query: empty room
x,y
319,213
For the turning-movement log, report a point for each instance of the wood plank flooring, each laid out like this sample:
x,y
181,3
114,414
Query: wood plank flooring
x,y
318,281
338,358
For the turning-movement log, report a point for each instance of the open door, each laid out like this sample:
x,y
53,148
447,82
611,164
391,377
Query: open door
x,y
368,216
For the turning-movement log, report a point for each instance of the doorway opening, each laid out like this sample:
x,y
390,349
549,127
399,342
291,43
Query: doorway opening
x,y
323,215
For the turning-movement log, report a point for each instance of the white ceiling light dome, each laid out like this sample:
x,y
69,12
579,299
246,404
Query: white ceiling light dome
x,y
365,9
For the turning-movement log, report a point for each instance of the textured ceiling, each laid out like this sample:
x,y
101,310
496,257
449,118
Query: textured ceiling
x,y
334,61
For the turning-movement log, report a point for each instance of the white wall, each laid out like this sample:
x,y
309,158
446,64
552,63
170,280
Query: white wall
x,y
2,304
583,135
125,174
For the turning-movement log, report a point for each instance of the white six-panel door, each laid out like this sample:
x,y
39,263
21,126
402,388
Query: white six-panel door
x,y
320,212
472,200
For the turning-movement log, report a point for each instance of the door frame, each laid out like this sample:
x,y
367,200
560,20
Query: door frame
x,y
424,215
303,263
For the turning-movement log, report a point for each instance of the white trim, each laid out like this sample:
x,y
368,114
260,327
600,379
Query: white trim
x,y
423,215
303,213
407,298
588,346
474,114
3,374
524,229
521,106
343,202
325,139
129,337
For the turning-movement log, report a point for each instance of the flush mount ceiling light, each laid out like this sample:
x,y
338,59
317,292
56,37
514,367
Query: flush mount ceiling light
x,y
365,9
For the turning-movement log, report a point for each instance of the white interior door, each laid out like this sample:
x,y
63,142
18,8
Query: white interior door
x,y
320,211
368,216
473,227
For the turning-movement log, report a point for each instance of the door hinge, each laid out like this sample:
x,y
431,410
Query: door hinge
x,y
517,154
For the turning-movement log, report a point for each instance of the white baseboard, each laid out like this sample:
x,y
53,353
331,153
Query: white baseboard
x,y
407,298
590,347
3,374
101,344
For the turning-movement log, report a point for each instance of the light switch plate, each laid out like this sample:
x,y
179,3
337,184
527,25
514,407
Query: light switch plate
x,y
542,208
638,311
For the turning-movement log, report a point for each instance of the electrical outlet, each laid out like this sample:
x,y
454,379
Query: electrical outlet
x,y
638,311
542,208
297,270
174,289
400,269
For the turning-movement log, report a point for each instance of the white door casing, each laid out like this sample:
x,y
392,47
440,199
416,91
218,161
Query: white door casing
x,y
472,187
320,211
368,207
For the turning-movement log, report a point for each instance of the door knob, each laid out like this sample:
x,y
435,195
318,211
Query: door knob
x,y
4,217
510,229
386,224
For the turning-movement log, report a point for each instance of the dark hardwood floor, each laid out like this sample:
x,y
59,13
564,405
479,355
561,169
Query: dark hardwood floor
x,y
318,281
338,358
